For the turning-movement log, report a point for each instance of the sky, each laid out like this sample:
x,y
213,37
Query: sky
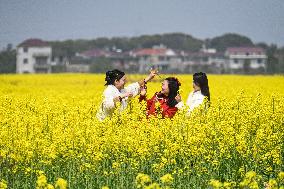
x,y
260,20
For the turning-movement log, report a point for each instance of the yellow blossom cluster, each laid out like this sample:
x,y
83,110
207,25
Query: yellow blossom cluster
x,y
50,136
250,181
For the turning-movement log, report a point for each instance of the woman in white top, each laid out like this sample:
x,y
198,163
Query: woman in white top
x,y
199,93
116,93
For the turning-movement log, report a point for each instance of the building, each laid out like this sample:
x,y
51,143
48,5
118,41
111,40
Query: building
x,y
175,61
158,57
246,59
33,56
206,61
82,61
100,60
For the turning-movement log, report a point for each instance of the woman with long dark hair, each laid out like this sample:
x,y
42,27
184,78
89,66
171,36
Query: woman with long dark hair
x,y
165,101
116,93
200,91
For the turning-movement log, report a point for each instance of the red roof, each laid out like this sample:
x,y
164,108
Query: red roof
x,y
244,50
33,43
149,52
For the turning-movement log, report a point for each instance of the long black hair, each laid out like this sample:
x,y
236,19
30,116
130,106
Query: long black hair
x,y
173,84
200,79
113,75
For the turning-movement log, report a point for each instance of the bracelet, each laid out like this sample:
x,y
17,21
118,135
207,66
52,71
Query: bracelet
x,y
145,83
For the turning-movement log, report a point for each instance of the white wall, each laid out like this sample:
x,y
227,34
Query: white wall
x,y
253,61
30,56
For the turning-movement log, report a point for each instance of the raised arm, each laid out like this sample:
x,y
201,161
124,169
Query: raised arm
x,y
152,74
135,88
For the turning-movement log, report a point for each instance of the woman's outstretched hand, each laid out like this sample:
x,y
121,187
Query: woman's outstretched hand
x,y
127,94
151,75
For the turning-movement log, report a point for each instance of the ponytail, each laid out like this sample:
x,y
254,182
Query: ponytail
x,y
200,79
113,75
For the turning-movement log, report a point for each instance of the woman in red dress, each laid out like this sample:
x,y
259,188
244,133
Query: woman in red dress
x,y
165,101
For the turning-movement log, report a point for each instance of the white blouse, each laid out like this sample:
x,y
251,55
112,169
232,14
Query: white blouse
x,y
108,106
194,100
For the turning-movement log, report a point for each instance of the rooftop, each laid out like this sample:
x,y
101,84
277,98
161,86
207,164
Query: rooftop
x,y
257,50
33,43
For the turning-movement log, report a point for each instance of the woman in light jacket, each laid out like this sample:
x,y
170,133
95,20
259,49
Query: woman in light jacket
x,y
200,91
116,95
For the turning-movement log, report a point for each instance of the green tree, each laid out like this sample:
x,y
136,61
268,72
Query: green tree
x,y
272,61
180,41
229,40
280,57
101,65
8,61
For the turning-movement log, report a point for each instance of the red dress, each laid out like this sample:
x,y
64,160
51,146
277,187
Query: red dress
x,y
165,109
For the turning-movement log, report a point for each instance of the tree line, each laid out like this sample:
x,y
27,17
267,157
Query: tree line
x,y
178,41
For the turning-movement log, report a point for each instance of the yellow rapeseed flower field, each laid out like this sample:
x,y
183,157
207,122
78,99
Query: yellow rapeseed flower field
x,y
50,136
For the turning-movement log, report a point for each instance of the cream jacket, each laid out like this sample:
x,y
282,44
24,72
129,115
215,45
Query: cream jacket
x,y
107,106
194,100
